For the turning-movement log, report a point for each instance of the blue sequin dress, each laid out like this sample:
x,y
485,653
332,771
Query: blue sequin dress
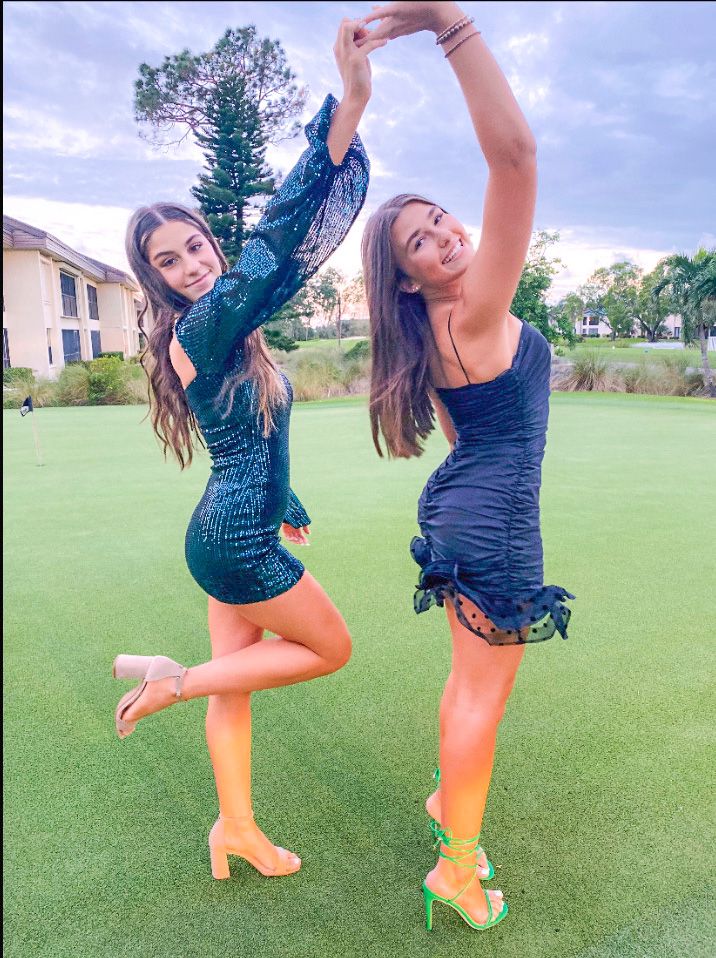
x,y
232,545
479,512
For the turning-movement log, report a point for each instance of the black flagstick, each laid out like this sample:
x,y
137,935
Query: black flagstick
x,y
26,408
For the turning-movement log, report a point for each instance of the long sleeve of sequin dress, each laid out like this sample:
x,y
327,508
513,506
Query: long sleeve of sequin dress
x,y
232,545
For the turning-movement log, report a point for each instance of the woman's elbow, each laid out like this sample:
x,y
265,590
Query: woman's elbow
x,y
520,155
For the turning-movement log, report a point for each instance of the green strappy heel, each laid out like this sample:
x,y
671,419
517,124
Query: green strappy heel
x,y
435,830
462,848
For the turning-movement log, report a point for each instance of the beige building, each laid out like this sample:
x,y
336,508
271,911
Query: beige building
x,y
59,305
593,323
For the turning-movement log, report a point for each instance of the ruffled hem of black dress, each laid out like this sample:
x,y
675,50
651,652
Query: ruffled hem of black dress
x,y
533,617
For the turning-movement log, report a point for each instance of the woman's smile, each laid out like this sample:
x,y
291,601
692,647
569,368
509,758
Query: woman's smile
x,y
455,250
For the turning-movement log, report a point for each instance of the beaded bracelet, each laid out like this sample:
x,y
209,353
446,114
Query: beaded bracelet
x,y
476,33
455,28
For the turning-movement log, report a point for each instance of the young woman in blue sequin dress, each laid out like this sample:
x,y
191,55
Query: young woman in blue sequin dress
x,y
444,341
210,369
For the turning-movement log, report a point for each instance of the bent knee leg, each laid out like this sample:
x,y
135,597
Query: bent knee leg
x,y
340,649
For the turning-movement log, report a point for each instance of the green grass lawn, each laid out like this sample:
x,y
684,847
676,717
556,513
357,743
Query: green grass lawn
x,y
597,816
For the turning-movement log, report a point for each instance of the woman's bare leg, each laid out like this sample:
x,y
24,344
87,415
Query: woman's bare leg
x,y
314,641
228,716
228,736
472,707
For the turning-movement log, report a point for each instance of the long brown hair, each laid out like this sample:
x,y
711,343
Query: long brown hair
x,y
400,406
172,419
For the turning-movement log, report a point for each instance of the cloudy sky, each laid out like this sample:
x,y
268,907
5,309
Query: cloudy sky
x,y
621,98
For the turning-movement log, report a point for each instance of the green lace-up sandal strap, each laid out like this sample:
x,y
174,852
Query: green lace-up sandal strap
x,y
456,850
435,827
435,831
461,848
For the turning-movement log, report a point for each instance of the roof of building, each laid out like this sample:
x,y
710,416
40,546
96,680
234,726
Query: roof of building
x,y
22,236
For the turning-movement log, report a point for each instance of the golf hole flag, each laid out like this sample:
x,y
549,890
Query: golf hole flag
x,y
26,406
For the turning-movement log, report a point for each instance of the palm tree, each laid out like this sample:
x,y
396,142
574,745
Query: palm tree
x,y
692,283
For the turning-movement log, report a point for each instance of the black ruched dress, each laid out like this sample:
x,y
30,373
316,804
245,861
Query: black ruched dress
x,y
479,512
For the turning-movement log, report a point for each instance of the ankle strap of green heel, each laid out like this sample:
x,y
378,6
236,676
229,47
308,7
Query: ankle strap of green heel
x,y
461,849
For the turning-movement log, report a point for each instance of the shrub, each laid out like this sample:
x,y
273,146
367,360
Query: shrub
x,y
356,377
316,377
359,351
73,385
107,382
110,355
134,371
17,375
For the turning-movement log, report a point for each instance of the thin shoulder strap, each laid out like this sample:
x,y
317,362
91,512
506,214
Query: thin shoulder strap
x,y
455,348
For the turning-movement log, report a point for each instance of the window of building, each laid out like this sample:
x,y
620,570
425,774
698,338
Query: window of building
x,y
5,350
71,345
96,345
92,302
677,332
49,345
68,287
593,320
593,332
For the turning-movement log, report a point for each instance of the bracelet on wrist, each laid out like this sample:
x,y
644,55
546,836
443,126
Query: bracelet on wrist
x,y
475,33
455,28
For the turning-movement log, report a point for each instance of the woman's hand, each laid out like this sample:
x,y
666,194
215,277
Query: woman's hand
x,y
404,17
352,59
298,536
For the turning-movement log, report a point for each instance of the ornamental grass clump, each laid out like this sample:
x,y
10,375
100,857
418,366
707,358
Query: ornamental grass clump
x,y
43,393
72,388
677,379
326,373
591,371
316,376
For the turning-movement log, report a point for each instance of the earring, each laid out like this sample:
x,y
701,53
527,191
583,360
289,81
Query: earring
x,y
414,289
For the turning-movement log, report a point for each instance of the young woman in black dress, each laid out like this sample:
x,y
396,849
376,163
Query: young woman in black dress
x,y
444,341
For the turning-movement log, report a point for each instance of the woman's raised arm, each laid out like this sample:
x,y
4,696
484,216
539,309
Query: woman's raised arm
x,y
303,224
507,144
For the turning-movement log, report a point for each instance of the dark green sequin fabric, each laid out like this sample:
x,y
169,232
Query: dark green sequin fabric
x,y
232,544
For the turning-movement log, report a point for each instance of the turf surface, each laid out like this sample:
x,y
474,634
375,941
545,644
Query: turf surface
x,y
599,810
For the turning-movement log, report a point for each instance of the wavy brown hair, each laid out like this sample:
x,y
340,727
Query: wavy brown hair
x,y
172,419
401,338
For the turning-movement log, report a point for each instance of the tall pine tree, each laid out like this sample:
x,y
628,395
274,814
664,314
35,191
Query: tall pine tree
x,y
235,100
237,172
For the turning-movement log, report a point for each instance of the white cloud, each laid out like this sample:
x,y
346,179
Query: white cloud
x,y
681,81
527,44
583,254
42,132
96,231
